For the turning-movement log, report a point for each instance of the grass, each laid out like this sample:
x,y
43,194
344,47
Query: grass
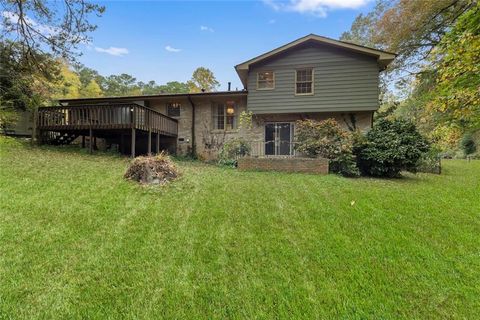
x,y
78,241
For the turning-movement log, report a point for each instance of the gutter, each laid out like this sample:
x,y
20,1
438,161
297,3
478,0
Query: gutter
x,y
154,96
194,144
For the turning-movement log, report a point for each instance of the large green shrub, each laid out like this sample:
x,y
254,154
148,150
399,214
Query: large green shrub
x,y
232,150
468,144
390,147
328,140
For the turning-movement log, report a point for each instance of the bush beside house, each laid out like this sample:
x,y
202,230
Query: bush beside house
x,y
232,150
328,140
388,148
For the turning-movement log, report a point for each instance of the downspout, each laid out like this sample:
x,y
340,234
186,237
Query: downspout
x,y
194,145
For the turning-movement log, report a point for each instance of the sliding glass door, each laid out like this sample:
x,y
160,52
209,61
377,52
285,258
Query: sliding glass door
x,y
278,139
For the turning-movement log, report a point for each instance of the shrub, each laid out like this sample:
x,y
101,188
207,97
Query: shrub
x,y
157,169
468,144
430,161
232,150
328,140
390,147
321,138
345,165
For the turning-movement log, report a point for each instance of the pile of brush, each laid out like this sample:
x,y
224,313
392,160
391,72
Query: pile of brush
x,y
158,169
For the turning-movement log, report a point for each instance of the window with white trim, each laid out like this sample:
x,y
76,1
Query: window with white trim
x,y
304,81
224,116
265,80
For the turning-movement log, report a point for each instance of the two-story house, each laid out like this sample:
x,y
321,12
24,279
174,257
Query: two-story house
x,y
312,77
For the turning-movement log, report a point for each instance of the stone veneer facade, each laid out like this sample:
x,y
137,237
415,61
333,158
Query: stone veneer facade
x,y
208,141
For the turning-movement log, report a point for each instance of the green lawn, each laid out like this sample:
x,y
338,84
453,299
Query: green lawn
x,y
77,241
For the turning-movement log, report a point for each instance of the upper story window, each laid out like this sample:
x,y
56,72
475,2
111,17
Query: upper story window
x,y
265,80
224,116
173,109
304,81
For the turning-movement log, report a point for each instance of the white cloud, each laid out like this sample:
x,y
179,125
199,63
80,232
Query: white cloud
x,y
119,52
172,49
317,8
205,28
12,17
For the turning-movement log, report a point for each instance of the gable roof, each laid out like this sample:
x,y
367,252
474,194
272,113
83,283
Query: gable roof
x,y
383,57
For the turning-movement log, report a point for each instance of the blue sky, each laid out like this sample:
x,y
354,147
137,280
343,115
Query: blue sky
x,y
166,40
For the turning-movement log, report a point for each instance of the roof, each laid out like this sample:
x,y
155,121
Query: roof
x,y
157,96
383,57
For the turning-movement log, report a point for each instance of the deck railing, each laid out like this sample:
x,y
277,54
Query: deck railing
x,y
106,116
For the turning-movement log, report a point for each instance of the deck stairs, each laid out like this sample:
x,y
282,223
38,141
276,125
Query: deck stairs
x,y
62,138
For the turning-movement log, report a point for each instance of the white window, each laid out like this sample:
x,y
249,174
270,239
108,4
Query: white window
x,y
304,81
224,116
265,80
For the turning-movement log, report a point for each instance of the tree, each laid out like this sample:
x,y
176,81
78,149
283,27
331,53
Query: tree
x,y
148,88
361,31
174,87
92,90
170,87
23,86
33,34
121,85
202,79
456,96
436,70
68,87
410,28
42,26
86,75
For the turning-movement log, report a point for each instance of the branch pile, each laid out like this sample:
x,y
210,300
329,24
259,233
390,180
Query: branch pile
x,y
158,169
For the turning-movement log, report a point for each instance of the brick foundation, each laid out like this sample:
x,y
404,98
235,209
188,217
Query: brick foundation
x,y
305,165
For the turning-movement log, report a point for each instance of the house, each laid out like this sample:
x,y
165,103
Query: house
x,y
312,77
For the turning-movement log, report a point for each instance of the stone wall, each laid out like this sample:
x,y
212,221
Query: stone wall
x,y
209,141
305,165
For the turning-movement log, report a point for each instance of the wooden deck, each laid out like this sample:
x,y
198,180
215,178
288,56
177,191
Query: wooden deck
x,y
107,116
103,119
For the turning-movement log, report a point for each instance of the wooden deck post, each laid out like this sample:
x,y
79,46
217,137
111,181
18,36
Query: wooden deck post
x,y
40,137
83,141
34,129
157,142
122,143
133,143
149,142
91,141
